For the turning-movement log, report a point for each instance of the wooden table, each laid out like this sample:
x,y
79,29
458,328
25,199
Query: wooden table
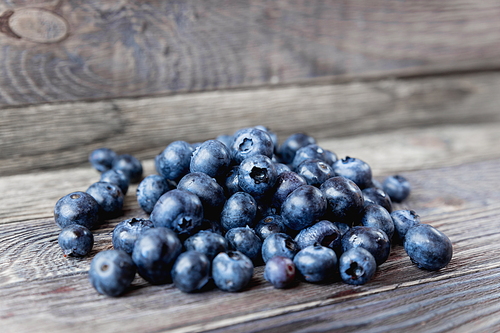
x,y
409,88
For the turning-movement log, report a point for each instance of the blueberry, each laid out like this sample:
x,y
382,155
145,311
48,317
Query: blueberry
x,y
315,172
76,208
173,162
102,159
357,266
208,243
154,254
355,170
272,224
428,247
371,239
250,142
280,168
178,210
126,233
274,137
191,271
130,166
231,185
212,158
345,200
309,152
378,217
330,157
150,190
293,143
232,271
403,220
316,263
226,139
397,187
343,228
286,183
323,232
373,195
245,241
111,272
211,194
109,197
279,245
116,177
280,271
239,211
257,175
303,207
75,240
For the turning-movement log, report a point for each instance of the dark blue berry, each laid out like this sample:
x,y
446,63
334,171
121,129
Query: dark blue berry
x,y
280,168
130,166
211,194
116,177
428,247
378,217
403,220
173,162
354,169
257,175
280,271
357,266
239,210
315,172
250,142
178,210
245,241
279,245
272,224
77,208
212,158
309,152
274,137
109,197
231,185
226,139
303,207
75,240
293,143
371,239
373,195
126,233
191,271
286,183
330,157
111,272
155,252
150,190
208,243
102,159
316,263
397,187
232,271
323,232
343,228
345,200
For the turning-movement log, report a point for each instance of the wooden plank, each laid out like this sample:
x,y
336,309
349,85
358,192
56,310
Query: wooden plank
x,y
40,288
53,136
69,50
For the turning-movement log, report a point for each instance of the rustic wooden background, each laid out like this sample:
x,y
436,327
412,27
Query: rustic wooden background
x,y
409,87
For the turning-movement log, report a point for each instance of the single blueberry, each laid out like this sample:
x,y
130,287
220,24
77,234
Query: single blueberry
x,y
286,183
357,266
150,190
303,207
179,210
403,220
315,172
274,137
212,158
245,241
354,169
208,243
111,272
130,166
378,217
239,211
109,197
316,263
249,142
154,254
75,240
397,187
173,162
116,177
280,271
330,157
76,208
345,200
371,239
226,139
232,271
279,245
191,271
272,224
231,185
102,159
323,232
280,168
126,233
294,142
257,175
373,195
211,194
309,152
428,247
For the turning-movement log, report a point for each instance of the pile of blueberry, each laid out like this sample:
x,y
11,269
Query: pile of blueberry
x,y
220,207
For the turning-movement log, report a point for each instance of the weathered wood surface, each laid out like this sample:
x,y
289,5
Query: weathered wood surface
x,y
40,290
67,50
51,136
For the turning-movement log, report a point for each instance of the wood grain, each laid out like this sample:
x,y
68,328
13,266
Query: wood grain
x,y
40,288
52,136
71,50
